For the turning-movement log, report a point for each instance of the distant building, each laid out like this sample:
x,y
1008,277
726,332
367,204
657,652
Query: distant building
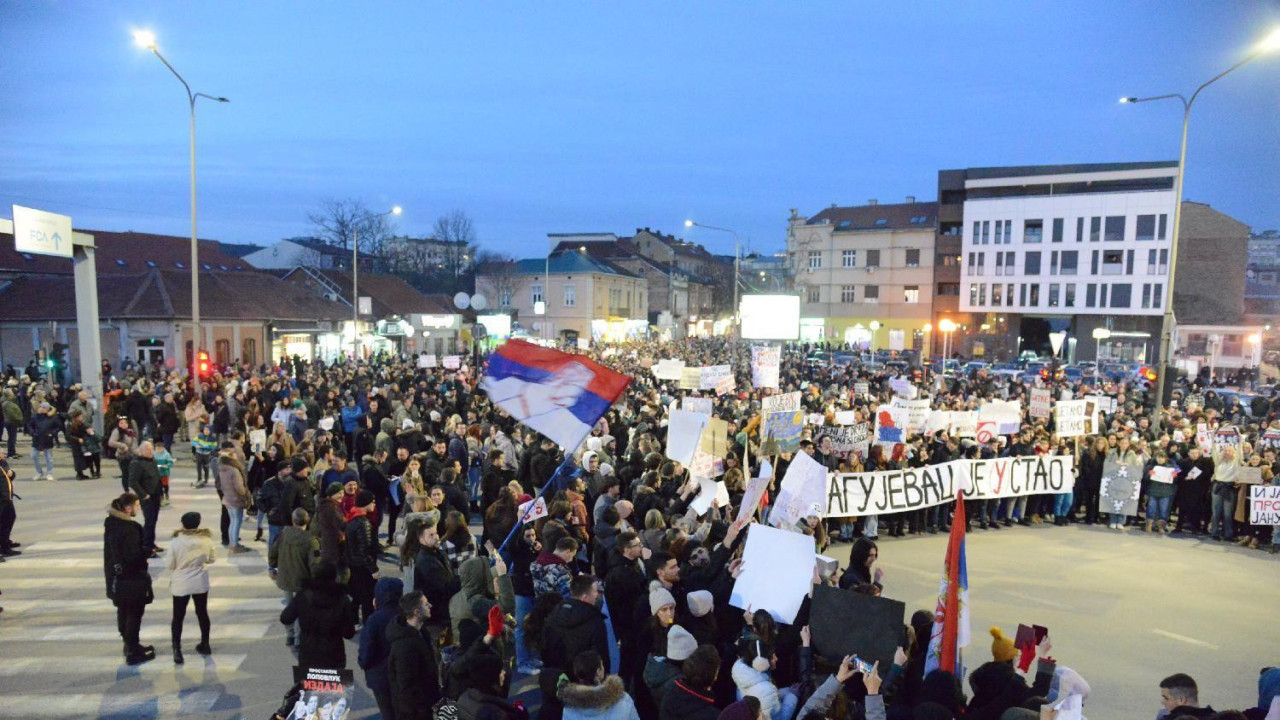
x,y
1262,290
854,266
306,252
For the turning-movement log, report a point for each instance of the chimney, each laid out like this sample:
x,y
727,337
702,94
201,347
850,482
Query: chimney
x,y
911,199
873,201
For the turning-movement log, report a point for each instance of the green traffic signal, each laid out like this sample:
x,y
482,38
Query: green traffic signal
x,y
50,363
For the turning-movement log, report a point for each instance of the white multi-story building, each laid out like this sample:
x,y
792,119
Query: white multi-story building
x,y
1071,248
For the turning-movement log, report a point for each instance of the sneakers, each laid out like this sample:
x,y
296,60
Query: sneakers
x,y
528,669
204,649
237,549
140,654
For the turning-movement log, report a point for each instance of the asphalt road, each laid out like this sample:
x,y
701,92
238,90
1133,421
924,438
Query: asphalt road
x,y
1124,610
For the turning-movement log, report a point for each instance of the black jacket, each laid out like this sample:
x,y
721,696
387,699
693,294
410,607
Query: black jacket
x,y
624,587
297,494
479,705
327,618
125,560
144,477
271,500
415,685
43,429
997,686
433,578
362,551
573,627
684,703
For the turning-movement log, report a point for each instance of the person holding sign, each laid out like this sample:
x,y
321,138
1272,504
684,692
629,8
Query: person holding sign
x,y
1160,492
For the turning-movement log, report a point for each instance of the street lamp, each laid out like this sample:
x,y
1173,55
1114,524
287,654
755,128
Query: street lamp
x,y
737,253
1270,44
147,40
355,279
947,326
875,327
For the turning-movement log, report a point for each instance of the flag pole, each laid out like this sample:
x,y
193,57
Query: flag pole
x,y
533,503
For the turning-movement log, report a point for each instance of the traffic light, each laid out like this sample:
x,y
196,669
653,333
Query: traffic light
x,y
202,364
57,361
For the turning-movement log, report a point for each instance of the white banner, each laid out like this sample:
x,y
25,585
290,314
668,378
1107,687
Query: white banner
x,y
712,374
698,405
917,414
1006,414
1073,418
786,402
873,493
765,362
668,369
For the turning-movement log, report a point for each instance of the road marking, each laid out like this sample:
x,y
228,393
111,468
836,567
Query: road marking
x,y
1039,600
110,705
155,634
216,604
1185,639
218,581
99,665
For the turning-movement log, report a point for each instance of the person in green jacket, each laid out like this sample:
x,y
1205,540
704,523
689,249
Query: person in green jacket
x,y
292,560
12,421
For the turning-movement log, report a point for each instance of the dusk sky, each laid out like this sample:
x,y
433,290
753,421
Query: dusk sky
x,y
583,117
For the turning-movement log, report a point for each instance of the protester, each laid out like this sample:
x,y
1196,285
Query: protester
x,y
325,618
292,561
190,555
128,582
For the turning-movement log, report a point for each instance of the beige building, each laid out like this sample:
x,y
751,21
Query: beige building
x,y
585,297
854,266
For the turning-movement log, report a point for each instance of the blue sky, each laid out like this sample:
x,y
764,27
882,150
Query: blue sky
x,y
578,117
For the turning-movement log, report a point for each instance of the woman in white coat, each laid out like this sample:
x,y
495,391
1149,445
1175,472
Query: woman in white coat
x,y
189,556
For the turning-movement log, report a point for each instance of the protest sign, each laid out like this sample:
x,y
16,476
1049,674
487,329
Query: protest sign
x,y
964,424
668,369
986,431
815,419
938,420
715,438
427,361
1249,475
862,388
706,465
802,492
711,493
1073,418
323,693
724,385
451,362
765,362
710,375
917,414
539,509
902,386
850,438
1006,414
1227,435
684,430
1270,439
1121,485
777,572
1264,505
855,494
1196,400
1106,403
891,421
781,432
845,623
1039,407
690,378
701,405
1164,475
754,494
1204,438
846,417
785,402
257,440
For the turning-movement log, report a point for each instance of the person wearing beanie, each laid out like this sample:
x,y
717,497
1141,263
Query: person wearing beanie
x,y
662,605
589,693
375,649
188,559
661,670
701,621
997,686
748,708
328,525
487,698
362,553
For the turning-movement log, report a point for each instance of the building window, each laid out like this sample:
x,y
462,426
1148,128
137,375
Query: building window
x,y
973,295
1035,295
1053,263
847,294
1232,346
848,258
997,293
1070,261
815,294
249,350
1008,295
1090,295
1095,229
222,352
1054,291
999,263
1146,295
1114,230
986,231
570,296
1146,229
537,292
982,293
815,259
1079,229
1121,295
1069,299
1163,268
1102,295
976,263
873,258
911,294
1157,295
999,232
948,259
871,293
1032,231
949,289
1164,222
1128,262
977,232
1093,267
1112,262
1032,264
504,297
913,258
1022,294
1057,229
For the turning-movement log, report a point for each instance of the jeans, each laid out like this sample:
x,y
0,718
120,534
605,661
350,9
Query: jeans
x,y
1222,522
614,660
237,519
1158,508
167,440
473,480
1062,505
13,438
150,516
1116,518
788,701
47,456
870,526
202,469
292,632
524,654
273,531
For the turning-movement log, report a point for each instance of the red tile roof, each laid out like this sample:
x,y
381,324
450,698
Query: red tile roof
x,y
123,252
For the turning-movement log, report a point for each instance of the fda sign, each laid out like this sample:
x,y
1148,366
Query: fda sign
x,y
42,233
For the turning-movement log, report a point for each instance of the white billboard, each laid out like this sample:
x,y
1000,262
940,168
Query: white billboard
x,y
770,317
42,233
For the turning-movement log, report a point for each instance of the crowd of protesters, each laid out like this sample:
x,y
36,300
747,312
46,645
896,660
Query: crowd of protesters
x,y
386,489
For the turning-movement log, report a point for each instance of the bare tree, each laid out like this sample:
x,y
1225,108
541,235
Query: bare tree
x,y
501,281
457,236
337,221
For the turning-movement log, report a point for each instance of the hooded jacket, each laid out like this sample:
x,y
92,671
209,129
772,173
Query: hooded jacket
x,y
685,703
124,560
607,701
362,550
573,627
411,671
327,618
757,684
294,556
475,594
188,559
375,646
659,674
231,481
433,578
997,686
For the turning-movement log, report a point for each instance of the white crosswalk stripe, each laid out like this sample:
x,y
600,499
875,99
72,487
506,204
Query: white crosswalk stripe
x,y
152,633
62,666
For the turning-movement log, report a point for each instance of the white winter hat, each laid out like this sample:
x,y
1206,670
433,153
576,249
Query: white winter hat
x,y
700,603
680,644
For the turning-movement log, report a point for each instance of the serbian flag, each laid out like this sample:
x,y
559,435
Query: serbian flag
x,y
951,616
558,394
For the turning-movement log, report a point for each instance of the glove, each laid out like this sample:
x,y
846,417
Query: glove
x,y
495,621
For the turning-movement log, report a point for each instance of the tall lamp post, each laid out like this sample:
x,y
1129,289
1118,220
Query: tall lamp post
x,y
947,326
147,39
355,279
737,255
1270,44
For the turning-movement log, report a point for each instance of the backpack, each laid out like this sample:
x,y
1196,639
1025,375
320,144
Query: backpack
x,y
445,709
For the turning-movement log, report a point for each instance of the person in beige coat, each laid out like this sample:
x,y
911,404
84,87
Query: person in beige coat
x,y
234,489
188,561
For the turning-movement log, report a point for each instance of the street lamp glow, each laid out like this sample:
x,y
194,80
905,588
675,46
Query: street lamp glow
x,y
946,325
397,210
927,327
144,39
1255,338
875,325
688,223
1271,43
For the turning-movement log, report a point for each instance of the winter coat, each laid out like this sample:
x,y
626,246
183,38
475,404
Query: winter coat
x,y
476,704
188,559
271,500
607,701
573,627
125,560
294,555
327,618
659,673
411,671
144,477
167,419
997,686
475,594
375,647
362,551
757,684
685,703
625,586
433,578
329,525
231,482
43,429
123,443
550,574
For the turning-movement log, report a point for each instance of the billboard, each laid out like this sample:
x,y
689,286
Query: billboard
x,y
770,317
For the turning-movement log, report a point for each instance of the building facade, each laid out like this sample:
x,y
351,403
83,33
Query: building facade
x,y
855,266
1043,249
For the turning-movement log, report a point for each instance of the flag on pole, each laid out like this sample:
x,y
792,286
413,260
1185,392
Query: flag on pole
x,y
558,394
951,616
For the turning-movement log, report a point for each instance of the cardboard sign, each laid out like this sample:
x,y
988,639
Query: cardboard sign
x,y
903,387
539,509
846,417
861,388
780,432
711,375
891,425
1006,414
1121,486
1270,439
323,693
848,623
724,385
1073,418
451,362
802,493
754,494
849,438
964,424
701,405
715,438
684,431
1196,400
1227,435
986,432
784,402
917,414
711,493
765,364
1164,475
1264,505
1040,398
1204,439
1106,403
1249,475
426,361
668,369
257,440
705,465
938,420
777,572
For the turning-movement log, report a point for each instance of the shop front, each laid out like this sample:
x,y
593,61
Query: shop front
x,y
619,329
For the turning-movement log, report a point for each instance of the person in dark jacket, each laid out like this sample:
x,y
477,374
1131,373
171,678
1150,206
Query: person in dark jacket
x,y
625,586
374,476
144,481
576,626
44,429
330,526
8,513
1181,698
1089,483
167,421
362,554
326,618
997,686
690,697
487,699
433,577
411,666
375,647
128,582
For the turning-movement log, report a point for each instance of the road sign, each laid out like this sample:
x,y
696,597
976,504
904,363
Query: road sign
x,y
40,232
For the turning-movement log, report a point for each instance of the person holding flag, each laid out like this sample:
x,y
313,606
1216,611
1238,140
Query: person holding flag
x,y
951,616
